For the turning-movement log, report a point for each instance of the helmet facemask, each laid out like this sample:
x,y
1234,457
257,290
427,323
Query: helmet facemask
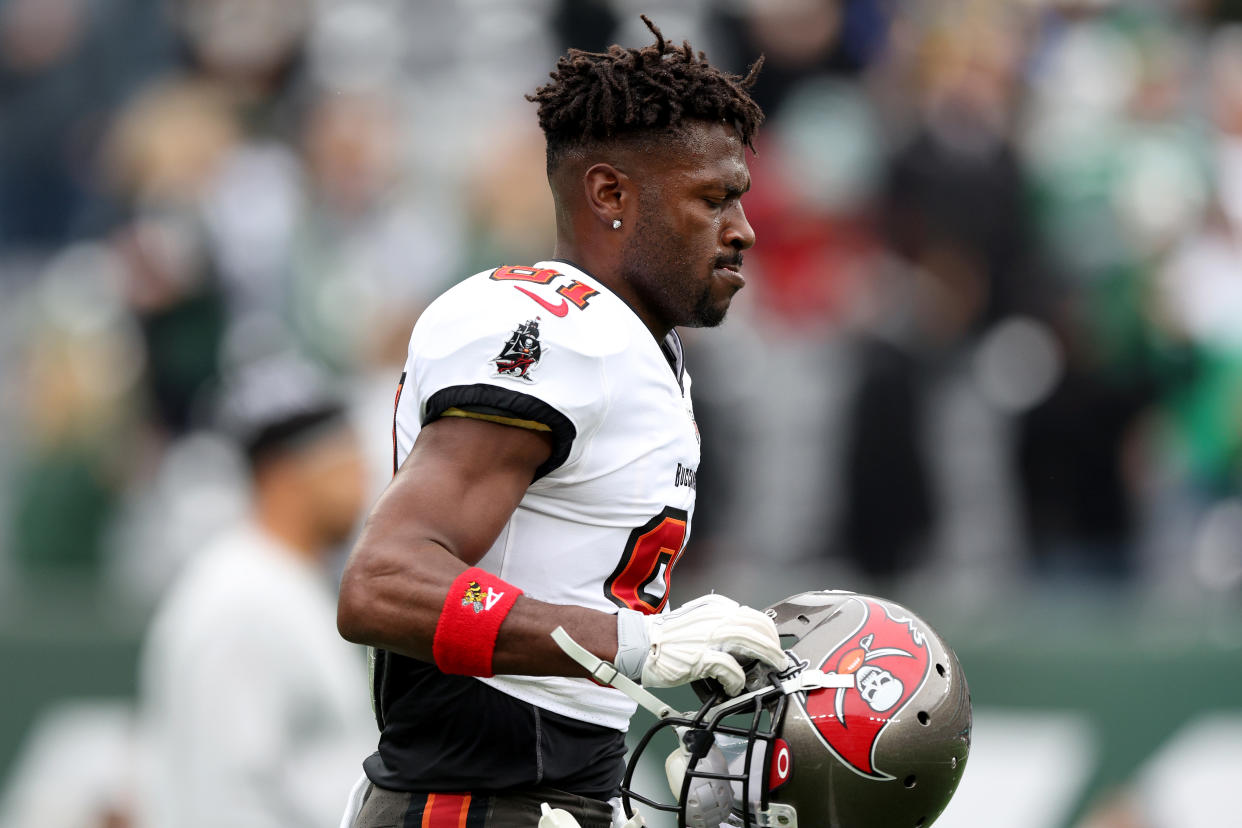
x,y
727,757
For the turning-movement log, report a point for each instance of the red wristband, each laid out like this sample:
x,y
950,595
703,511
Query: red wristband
x,y
470,620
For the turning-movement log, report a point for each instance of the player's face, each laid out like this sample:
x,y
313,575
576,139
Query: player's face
x,y
684,258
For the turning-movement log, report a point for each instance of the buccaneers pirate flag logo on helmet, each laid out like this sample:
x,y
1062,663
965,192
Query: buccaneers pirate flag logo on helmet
x,y
889,660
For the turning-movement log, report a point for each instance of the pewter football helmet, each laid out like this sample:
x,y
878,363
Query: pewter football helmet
x,y
868,726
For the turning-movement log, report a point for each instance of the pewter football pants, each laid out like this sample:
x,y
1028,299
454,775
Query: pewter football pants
x,y
374,807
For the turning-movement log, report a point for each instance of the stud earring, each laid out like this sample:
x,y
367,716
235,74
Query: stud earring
x,y
616,224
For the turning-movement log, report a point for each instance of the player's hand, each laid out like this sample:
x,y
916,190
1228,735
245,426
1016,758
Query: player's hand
x,y
705,638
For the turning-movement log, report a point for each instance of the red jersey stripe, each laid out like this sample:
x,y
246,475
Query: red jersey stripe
x,y
446,810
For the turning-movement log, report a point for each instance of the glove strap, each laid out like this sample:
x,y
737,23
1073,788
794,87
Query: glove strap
x,y
474,609
605,673
633,643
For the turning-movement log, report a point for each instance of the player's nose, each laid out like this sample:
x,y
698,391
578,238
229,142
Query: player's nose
x,y
738,233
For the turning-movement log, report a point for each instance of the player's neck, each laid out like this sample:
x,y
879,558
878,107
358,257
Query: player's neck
x,y
606,269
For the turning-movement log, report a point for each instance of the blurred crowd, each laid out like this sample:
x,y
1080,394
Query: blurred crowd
x,y
989,334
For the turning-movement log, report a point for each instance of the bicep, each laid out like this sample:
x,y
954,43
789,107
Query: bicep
x,y
441,513
461,482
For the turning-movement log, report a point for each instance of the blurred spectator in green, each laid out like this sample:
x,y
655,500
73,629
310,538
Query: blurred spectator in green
x,y
77,386
1200,295
164,153
1120,175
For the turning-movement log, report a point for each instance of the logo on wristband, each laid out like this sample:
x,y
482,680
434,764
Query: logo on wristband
x,y
479,601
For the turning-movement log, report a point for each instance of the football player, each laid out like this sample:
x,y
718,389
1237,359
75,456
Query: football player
x,y
545,457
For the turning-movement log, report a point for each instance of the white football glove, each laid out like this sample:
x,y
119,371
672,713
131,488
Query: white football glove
x,y
705,638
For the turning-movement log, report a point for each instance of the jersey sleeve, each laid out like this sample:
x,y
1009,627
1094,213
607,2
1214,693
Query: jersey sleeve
x,y
486,351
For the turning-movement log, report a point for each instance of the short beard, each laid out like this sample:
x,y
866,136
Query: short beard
x,y
707,315
659,277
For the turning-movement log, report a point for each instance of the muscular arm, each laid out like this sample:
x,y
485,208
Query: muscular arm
x,y
439,515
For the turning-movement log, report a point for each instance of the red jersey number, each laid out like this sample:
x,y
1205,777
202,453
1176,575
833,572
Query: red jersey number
x,y
574,291
650,554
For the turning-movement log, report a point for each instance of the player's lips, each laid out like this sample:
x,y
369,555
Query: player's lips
x,y
731,274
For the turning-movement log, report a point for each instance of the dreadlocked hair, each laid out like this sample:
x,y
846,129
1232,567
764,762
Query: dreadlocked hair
x,y
598,96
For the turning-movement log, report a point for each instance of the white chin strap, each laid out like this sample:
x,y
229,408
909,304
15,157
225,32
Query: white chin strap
x,y
605,673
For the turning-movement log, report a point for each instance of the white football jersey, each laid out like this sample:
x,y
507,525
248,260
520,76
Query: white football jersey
x,y
608,515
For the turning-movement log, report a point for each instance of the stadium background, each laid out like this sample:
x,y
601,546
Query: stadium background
x,y
988,362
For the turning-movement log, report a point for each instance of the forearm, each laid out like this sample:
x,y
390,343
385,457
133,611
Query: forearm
x,y
392,591
402,605
393,600
525,645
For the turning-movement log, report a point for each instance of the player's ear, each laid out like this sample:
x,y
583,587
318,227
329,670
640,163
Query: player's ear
x,y
609,192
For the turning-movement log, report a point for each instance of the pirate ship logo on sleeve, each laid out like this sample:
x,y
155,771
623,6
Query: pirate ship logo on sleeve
x,y
889,660
521,352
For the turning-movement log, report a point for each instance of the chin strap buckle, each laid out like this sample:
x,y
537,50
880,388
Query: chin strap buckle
x,y
814,680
